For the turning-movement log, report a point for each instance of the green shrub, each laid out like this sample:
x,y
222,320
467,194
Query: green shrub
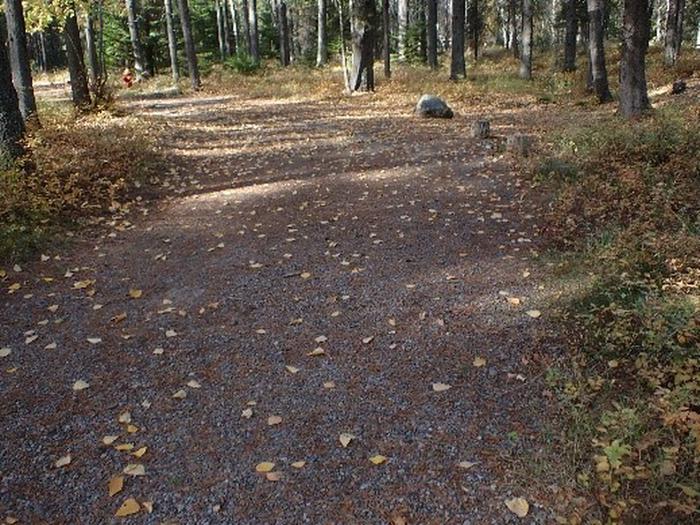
x,y
242,63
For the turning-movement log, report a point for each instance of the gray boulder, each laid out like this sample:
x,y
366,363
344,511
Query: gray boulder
x,y
430,106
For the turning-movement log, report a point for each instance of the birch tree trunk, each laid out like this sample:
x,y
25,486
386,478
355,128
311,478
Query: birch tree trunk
x,y
19,58
91,52
402,28
253,27
526,44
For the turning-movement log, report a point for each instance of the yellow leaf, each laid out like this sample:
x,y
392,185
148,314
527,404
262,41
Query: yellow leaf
x,y
345,439
124,447
329,384
135,469
274,420
479,362
80,385
116,484
265,466
140,452
180,394
466,464
299,464
535,314
316,352
63,461
193,384
129,507
441,387
132,429
292,369
135,293
518,506
305,275
108,440
4,352
515,301
148,505
378,459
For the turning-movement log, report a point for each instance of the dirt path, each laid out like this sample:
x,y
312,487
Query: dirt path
x,y
386,241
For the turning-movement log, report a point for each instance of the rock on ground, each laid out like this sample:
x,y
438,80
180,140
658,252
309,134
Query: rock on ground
x,y
431,106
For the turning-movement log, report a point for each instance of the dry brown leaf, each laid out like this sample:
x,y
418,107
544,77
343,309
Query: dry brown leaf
x,y
140,452
441,387
273,476
108,440
346,438
535,314
274,420
135,293
80,385
63,461
134,469
316,352
264,467
115,485
129,507
299,464
378,459
518,506
479,362
292,369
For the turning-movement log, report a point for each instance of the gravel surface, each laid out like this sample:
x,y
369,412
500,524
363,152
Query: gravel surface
x,y
391,243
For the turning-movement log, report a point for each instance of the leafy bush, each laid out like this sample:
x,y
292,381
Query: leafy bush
x,y
628,212
242,63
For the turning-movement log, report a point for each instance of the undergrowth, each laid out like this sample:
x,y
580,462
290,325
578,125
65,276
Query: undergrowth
x,y
77,168
627,212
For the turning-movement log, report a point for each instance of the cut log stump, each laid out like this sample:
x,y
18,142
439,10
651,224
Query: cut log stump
x,y
521,144
481,129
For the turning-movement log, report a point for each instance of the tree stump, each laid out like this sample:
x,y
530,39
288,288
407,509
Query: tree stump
x,y
679,86
481,129
521,144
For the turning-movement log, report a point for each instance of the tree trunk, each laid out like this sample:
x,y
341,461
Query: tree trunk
x,y
513,23
402,28
322,44
475,27
253,26
220,34
136,46
91,52
636,26
19,58
234,27
431,33
596,44
246,25
172,40
386,48
458,68
11,122
228,44
674,31
76,66
190,51
570,35
526,52
363,31
284,34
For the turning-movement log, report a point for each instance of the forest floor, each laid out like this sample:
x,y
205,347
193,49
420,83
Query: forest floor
x,y
334,287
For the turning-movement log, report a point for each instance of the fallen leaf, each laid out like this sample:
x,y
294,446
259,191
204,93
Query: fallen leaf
x,y
135,293
193,384
94,340
299,464
518,506
148,505
345,439
125,417
115,485
129,507
515,301
247,413
180,394
265,466
131,429
368,340
274,420
329,384
479,362
140,452
170,333
134,469
292,369
378,459
535,314
321,339
441,387
80,385
273,476
124,447
305,275
108,440
4,352
63,461
316,352
466,464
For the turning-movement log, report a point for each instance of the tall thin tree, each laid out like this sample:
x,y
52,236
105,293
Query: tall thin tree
x,y
674,31
458,68
386,46
636,26
134,35
596,43
19,58
570,35
253,27
283,24
74,56
11,122
190,50
321,42
172,40
363,33
220,30
94,72
526,41
431,33
402,28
